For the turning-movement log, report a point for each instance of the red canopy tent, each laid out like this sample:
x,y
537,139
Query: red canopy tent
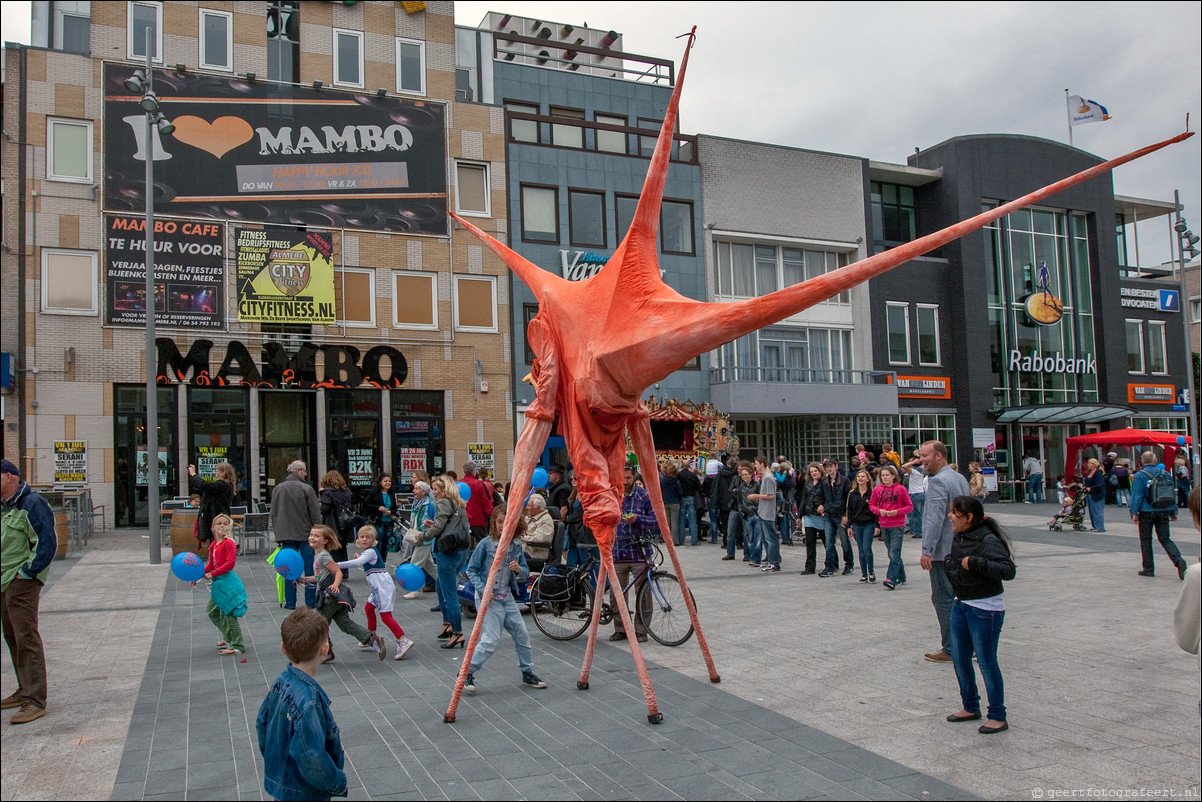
x,y
1121,437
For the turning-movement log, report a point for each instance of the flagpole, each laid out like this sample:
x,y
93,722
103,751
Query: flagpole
x,y
1068,116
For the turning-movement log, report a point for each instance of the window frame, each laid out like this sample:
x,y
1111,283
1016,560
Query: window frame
x,y
358,36
1162,340
613,119
523,107
1143,361
421,46
619,235
492,282
692,251
905,310
229,39
46,309
522,211
90,157
371,283
934,309
131,51
487,211
60,31
557,111
433,279
572,241
1195,308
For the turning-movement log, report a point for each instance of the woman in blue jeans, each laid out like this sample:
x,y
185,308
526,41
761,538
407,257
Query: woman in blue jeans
x,y
448,507
976,566
863,522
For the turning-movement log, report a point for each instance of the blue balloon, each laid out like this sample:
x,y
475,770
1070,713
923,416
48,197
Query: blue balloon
x,y
1160,465
465,492
289,564
410,576
539,479
187,566
1180,440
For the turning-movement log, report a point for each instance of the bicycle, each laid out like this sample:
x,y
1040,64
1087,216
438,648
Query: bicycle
x,y
562,598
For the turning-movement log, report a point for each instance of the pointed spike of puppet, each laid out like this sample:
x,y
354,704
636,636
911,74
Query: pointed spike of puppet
x,y
537,279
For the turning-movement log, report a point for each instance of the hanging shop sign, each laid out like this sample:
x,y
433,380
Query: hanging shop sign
x,y
285,276
277,153
341,366
924,387
482,455
70,462
1152,393
1052,363
189,272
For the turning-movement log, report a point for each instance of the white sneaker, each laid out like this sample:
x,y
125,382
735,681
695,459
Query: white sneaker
x,y
402,647
413,594
377,646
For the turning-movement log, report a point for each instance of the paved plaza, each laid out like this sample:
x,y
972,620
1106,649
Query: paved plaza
x,y
824,692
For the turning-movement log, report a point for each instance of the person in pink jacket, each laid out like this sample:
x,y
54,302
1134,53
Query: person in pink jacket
x,y
891,503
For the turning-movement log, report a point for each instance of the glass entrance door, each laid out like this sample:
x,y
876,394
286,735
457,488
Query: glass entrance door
x,y
1047,443
133,463
353,420
288,423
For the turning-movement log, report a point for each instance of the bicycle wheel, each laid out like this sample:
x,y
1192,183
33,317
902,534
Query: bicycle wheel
x,y
669,623
562,620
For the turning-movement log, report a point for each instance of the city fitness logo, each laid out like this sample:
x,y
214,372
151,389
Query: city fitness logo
x,y
1055,363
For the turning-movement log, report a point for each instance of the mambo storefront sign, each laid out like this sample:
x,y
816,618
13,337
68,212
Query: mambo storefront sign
x,y
277,153
341,366
1053,363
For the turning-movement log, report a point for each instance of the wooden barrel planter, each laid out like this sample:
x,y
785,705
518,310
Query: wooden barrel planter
x,y
183,533
62,531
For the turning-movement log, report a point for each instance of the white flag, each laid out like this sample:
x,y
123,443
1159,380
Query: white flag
x,y
1082,111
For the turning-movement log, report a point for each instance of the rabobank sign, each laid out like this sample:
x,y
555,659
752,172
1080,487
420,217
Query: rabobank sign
x,y
1053,363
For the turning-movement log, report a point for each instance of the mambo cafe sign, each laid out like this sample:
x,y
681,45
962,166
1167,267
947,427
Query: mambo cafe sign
x,y
307,367
1053,363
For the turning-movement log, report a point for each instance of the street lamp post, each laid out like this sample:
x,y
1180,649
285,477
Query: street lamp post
x,y
143,82
1186,242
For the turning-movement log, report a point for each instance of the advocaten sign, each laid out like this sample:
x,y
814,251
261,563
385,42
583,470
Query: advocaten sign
x,y
1054,363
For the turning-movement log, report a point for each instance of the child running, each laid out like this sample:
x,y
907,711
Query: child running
x,y
302,752
383,589
329,581
227,599
502,610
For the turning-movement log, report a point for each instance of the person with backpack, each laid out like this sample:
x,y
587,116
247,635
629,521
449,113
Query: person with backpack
x,y
1153,505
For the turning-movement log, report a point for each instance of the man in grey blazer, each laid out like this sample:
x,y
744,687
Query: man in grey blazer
x,y
943,485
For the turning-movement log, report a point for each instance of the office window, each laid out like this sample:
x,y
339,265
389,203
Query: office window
x,y
523,130
283,41
348,58
358,296
411,66
540,214
586,218
610,141
476,303
72,32
747,271
528,313
894,215
69,282
472,196
216,40
676,227
898,328
928,334
1135,346
647,143
1195,309
415,301
1157,361
69,150
624,208
143,17
567,136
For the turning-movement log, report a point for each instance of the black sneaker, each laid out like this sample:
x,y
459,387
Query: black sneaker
x,y
863,578
825,573
1146,573
531,680
1182,567
847,570
469,684
728,557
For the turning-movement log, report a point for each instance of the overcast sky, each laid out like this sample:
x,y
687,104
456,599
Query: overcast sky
x,y
879,79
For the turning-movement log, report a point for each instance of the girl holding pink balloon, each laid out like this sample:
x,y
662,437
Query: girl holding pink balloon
x,y
227,594
383,591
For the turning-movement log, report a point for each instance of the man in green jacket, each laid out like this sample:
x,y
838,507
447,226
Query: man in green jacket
x,y
27,545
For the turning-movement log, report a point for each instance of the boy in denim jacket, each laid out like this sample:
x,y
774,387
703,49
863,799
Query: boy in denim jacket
x,y
302,753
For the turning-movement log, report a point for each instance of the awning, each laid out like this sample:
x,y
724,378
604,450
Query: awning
x,y
1062,413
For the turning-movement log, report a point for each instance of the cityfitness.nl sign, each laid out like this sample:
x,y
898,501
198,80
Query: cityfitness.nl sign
x,y
340,366
189,272
284,276
277,153
1052,363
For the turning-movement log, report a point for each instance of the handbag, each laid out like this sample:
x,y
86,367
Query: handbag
x,y
456,535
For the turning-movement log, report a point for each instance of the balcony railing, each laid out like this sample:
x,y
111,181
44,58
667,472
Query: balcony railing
x,y
727,375
684,148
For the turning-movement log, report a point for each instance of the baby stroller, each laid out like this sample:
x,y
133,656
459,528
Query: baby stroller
x,y
1073,512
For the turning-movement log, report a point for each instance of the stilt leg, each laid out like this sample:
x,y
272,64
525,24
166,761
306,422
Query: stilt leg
x,y
594,625
653,714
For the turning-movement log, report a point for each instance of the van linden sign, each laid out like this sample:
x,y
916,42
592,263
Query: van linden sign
x,y
1055,363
